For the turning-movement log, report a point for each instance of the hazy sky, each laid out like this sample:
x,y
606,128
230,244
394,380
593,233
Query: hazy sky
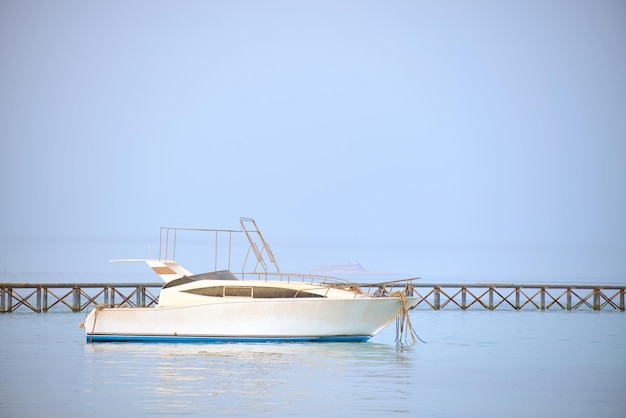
x,y
459,139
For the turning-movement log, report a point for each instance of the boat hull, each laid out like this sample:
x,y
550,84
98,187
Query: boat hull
x,y
245,320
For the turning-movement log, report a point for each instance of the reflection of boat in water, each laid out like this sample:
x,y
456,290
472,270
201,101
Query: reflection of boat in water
x,y
259,305
197,376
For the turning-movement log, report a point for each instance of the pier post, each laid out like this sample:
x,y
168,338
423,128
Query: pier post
x,y
517,306
436,301
543,298
38,303
76,299
621,299
491,298
45,299
106,295
463,297
596,299
569,299
141,296
2,299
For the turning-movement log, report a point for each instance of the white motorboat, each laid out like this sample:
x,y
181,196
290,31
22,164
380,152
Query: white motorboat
x,y
260,305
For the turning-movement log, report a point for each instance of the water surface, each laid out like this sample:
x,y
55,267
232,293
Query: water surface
x,y
473,364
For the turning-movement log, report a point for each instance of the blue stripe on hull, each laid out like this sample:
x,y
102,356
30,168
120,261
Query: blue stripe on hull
x,y
217,340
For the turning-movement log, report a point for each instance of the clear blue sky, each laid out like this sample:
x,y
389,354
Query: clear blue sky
x,y
456,139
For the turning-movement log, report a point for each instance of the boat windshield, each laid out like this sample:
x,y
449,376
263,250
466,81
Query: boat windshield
x,y
214,275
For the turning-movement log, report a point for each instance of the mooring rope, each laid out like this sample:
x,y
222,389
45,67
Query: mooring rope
x,y
99,307
406,328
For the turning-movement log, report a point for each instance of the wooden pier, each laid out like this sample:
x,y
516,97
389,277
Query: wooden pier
x,y
75,296
520,296
78,297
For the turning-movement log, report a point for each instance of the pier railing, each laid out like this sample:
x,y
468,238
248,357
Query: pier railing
x,y
520,296
75,296
83,296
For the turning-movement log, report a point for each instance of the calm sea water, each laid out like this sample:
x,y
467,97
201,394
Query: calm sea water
x,y
473,364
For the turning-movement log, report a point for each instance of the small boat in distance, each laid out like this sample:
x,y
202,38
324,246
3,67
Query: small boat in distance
x,y
352,267
258,305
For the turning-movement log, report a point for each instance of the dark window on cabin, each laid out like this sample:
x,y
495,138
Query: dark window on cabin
x,y
217,291
259,292
274,292
238,291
